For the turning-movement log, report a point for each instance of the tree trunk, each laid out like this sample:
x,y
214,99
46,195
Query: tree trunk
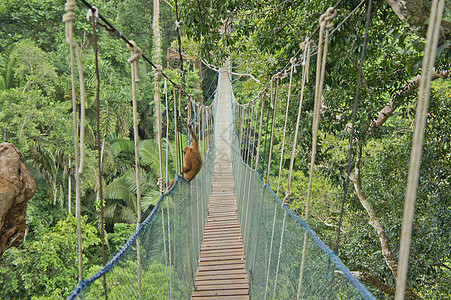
x,y
416,13
374,220
385,245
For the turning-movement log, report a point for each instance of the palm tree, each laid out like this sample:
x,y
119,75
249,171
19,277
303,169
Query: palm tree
x,y
120,197
7,80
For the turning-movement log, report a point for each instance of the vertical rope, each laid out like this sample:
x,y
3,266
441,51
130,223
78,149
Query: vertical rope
x,y
180,134
354,116
250,174
241,113
293,62
177,160
133,60
69,188
68,18
169,251
293,65
249,135
167,131
325,24
179,39
92,14
164,247
268,172
417,144
157,100
306,65
260,130
306,61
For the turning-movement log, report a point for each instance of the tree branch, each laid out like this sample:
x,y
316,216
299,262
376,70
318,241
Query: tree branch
x,y
377,225
233,73
374,220
394,102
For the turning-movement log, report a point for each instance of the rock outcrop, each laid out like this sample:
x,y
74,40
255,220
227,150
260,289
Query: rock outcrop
x,y
17,185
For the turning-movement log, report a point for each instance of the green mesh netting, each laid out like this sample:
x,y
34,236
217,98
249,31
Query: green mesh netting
x,y
169,242
274,240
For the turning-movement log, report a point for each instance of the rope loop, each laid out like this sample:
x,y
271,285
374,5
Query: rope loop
x,y
293,64
158,70
287,196
90,14
136,54
326,18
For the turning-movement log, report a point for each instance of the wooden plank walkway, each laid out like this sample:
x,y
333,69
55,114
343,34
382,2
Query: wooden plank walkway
x,y
221,273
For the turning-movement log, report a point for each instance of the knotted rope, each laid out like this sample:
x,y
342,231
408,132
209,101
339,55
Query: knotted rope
x,y
136,54
68,18
325,24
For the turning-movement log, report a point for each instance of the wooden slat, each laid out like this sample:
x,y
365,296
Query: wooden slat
x,y
221,281
243,297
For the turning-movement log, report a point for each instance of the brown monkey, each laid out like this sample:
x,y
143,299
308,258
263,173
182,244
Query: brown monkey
x,y
193,159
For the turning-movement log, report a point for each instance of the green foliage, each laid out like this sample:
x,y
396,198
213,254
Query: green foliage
x,y
154,282
47,266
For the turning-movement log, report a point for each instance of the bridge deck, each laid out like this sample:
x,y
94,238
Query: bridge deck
x,y
221,273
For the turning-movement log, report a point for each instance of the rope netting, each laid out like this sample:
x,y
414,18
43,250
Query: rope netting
x,y
274,235
169,242
160,259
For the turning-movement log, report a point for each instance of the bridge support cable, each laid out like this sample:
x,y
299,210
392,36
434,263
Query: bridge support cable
x,y
68,19
133,60
417,143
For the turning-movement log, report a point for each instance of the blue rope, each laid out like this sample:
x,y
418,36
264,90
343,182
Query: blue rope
x,y
88,282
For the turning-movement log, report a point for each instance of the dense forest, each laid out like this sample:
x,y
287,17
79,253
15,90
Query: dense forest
x,y
261,37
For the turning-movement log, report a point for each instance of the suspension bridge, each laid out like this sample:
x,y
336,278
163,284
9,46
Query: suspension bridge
x,y
226,234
